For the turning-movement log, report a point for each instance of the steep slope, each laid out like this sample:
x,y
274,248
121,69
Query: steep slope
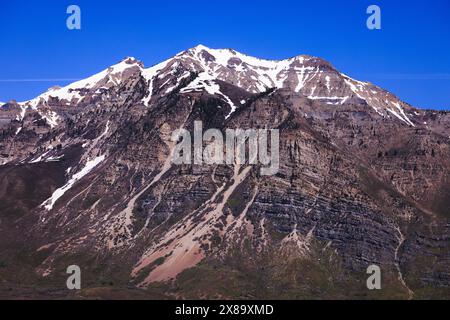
x,y
362,175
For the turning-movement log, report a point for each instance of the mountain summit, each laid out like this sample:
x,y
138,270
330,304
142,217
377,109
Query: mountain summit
x,y
308,76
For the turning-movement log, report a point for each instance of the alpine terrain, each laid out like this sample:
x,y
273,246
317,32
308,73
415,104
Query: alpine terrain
x,y
87,179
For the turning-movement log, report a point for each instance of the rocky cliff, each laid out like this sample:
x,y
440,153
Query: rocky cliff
x,y
87,179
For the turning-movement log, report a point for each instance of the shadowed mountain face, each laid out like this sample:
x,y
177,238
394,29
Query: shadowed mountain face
x,y
87,179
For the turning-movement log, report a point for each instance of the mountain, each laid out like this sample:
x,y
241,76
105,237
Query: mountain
x,y
87,178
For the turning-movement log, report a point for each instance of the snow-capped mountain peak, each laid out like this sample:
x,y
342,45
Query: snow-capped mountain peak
x,y
74,91
309,76
304,75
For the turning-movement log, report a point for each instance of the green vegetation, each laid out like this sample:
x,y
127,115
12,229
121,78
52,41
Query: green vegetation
x,y
278,274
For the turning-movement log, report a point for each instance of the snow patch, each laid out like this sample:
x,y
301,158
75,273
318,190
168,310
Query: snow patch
x,y
206,82
58,193
327,78
72,91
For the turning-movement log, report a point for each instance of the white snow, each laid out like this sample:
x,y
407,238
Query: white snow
x,y
271,73
149,74
104,133
51,117
403,116
266,73
341,99
203,82
356,89
327,78
206,82
303,77
72,91
22,112
58,193
40,158
53,159
397,115
252,74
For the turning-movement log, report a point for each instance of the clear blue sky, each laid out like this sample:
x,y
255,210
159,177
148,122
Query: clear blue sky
x,y
410,56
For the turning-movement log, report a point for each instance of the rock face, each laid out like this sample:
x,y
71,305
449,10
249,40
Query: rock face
x,y
87,177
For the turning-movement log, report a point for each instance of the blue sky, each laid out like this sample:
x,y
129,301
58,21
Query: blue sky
x,y
410,56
